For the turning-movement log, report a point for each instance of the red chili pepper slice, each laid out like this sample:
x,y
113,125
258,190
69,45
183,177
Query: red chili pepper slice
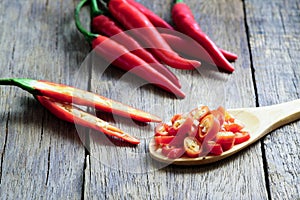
x,y
211,147
182,126
192,147
219,113
70,113
77,96
241,137
155,19
225,139
131,18
176,152
208,128
105,25
234,127
164,139
186,23
162,129
199,113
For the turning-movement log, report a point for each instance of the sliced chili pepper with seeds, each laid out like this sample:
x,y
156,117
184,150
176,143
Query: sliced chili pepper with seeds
x,y
69,94
60,99
73,114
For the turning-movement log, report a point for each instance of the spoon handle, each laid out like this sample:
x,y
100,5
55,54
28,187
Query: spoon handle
x,y
274,116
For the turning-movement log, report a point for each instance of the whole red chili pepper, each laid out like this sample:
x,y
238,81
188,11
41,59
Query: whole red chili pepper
x,y
131,18
187,46
186,23
105,25
73,95
155,19
73,114
190,47
119,56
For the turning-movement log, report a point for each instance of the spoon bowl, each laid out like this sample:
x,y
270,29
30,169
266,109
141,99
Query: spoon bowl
x,y
258,120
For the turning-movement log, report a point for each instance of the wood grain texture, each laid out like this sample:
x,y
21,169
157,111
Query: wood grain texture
x,y
41,157
118,172
275,44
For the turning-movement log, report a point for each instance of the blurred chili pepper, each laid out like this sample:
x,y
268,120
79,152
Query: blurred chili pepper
x,y
155,19
73,114
186,23
105,25
131,18
69,94
119,56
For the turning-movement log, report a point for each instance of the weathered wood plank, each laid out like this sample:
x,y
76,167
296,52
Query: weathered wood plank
x,y
41,157
121,172
274,28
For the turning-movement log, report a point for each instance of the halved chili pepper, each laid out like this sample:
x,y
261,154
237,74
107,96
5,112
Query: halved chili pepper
x,y
119,56
103,24
191,48
69,94
186,23
155,19
73,114
131,18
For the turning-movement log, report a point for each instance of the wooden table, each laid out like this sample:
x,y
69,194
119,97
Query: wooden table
x,y
43,157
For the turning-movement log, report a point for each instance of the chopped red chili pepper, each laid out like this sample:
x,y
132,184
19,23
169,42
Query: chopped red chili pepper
x,y
186,23
212,138
103,24
131,18
119,56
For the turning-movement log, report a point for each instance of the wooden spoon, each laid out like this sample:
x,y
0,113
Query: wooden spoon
x,y
258,120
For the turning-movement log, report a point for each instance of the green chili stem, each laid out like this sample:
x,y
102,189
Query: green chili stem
x,y
25,84
95,11
88,35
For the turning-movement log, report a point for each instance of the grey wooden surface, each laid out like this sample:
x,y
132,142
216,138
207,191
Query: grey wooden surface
x,y
45,158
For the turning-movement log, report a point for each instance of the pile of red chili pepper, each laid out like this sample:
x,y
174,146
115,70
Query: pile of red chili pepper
x,y
199,133
147,51
61,100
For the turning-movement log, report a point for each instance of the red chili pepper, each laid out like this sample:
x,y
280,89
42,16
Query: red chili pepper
x,y
69,94
155,19
191,48
122,58
187,46
119,56
131,18
71,113
186,23
228,55
105,25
